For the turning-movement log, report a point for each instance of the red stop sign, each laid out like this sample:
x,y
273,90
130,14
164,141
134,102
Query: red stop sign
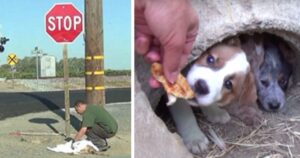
x,y
64,22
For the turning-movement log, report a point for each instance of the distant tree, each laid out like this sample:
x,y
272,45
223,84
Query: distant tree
x,y
5,71
76,67
110,72
26,68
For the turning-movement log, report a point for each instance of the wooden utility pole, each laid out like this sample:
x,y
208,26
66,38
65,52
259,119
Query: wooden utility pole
x,y
66,88
94,63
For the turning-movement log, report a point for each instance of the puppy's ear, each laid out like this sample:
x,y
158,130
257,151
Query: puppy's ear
x,y
245,108
234,41
248,95
287,53
258,55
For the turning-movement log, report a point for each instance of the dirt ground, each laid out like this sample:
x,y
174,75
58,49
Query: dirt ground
x,y
34,146
278,136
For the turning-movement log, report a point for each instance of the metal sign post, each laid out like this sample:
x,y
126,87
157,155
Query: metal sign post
x,y
38,53
12,60
13,70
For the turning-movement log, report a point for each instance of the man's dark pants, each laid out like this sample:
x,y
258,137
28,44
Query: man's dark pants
x,y
98,135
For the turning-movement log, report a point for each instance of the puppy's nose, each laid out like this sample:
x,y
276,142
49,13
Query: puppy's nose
x,y
274,105
201,87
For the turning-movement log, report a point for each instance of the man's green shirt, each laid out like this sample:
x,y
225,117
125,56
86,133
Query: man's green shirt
x,y
97,114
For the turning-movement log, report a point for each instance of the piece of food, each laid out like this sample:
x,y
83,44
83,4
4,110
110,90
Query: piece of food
x,y
180,89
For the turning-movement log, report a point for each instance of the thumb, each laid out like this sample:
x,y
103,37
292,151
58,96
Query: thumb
x,y
172,59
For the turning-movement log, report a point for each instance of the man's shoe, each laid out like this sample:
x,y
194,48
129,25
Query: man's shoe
x,y
103,148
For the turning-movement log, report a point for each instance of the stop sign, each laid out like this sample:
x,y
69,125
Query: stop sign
x,y
64,22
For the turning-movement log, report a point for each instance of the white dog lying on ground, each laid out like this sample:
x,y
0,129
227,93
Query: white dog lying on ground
x,y
80,147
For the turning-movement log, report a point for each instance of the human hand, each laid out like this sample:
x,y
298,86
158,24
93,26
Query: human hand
x,y
72,144
165,31
68,139
73,141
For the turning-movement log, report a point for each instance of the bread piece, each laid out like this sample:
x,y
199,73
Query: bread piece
x,y
180,89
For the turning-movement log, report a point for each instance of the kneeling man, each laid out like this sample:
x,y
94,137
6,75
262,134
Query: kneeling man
x,y
97,124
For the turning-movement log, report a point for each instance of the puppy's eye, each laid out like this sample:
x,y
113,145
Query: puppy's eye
x,y
282,82
265,83
228,84
210,59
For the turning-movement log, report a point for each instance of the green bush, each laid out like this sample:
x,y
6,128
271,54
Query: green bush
x,y
117,72
26,69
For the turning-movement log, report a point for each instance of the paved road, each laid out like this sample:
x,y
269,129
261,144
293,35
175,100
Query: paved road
x,y
15,104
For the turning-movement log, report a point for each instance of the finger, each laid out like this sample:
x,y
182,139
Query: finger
x,y
183,61
156,42
154,83
193,21
173,56
142,43
186,52
188,47
153,55
193,31
191,38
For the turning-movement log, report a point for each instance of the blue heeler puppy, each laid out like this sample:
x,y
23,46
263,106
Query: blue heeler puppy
x,y
271,60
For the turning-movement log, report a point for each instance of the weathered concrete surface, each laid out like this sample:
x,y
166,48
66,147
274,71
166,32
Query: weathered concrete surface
x,y
220,19
152,138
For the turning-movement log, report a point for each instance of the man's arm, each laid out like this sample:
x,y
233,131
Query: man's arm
x,y
80,134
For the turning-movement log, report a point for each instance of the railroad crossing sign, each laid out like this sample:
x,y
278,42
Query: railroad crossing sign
x,y
12,59
64,22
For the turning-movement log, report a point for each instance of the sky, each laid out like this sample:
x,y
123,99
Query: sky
x,y
23,22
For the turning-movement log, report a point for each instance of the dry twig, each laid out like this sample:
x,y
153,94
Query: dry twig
x,y
242,140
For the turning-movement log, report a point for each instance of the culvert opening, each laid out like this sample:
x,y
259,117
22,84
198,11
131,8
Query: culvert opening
x,y
233,131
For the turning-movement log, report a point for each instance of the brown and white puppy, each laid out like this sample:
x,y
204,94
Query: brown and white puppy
x,y
219,77
220,74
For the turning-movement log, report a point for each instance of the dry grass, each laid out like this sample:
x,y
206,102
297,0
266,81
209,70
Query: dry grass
x,y
278,135
257,139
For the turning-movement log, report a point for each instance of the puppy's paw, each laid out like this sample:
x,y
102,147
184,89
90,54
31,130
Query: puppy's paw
x,y
251,119
250,116
197,144
217,115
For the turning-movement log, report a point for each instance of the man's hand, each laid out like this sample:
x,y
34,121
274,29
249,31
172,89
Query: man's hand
x,y
73,141
80,134
165,31
68,139
72,144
